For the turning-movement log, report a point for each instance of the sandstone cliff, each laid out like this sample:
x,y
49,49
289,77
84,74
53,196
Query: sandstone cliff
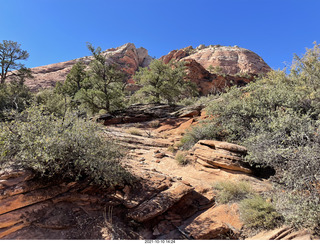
x,y
127,56
231,60
233,63
216,67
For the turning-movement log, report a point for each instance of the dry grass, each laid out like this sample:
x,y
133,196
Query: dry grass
x,y
134,131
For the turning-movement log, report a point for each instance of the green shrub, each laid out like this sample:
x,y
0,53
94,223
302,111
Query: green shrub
x,y
258,213
206,130
299,209
67,148
228,191
14,96
196,101
181,158
171,148
53,102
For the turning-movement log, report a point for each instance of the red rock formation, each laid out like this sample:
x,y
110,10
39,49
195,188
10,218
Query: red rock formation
x,y
238,66
211,83
231,60
176,54
128,57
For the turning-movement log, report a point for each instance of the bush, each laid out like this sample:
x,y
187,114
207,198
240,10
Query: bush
x,y
14,95
205,130
258,213
181,158
134,131
67,148
299,209
53,102
155,123
232,191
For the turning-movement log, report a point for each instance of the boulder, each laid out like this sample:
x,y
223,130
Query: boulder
x,y
218,154
215,223
160,203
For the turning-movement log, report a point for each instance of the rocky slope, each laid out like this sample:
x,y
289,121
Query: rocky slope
x,y
127,56
168,201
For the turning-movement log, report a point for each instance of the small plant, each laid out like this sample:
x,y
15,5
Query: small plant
x,y
199,132
171,148
258,213
181,158
232,191
134,131
155,123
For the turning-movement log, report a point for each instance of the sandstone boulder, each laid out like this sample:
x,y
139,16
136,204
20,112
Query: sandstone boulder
x,y
160,203
215,223
216,154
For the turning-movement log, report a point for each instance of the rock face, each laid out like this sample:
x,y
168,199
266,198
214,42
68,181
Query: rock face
x,y
237,66
127,56
231,60
146,112
209,83
215,222
233,63
38,210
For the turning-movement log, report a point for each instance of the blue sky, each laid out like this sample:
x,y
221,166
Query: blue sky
x,y
57,30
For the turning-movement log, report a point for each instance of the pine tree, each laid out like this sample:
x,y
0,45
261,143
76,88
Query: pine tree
x,y
164,82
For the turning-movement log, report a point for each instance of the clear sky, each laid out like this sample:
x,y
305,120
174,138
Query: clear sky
x,y
57,30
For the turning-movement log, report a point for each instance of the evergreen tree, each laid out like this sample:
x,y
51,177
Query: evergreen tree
x,y
74,81
103,87
10,54
164,82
